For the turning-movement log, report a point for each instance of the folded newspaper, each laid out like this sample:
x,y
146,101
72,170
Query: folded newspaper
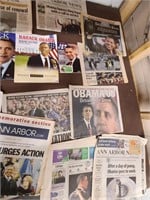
x,y
69,165
50,104
24,144
119,171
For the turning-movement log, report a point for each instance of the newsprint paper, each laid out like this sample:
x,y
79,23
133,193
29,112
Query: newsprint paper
x,y
48,104
24,144
69,163
16,16
103,48
94,110
60,16
99,70
119,168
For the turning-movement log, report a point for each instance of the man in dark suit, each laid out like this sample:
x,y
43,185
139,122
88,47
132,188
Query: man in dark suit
x,y
86,127
8,182
73,59
43,59
7,51
35,111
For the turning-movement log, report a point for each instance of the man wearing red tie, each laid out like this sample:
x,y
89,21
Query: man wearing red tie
x,y
43,59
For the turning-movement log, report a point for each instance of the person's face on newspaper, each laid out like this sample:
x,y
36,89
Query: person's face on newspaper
x,y
6,51
9,171
44,49
85,182
87,113
70,53
110,44
106,116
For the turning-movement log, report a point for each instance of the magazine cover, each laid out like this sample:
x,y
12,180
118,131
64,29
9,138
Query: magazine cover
x,y
16,16
68,173
68,57
31,58
98,69
94,110
119,170
24,144
60,16
49,104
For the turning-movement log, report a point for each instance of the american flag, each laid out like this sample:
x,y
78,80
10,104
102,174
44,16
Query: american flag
x,y
54,54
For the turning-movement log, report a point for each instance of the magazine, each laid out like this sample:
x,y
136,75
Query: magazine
x,y
16,16
94,110
49,104
60,16
33,58
98,69
24,145
68,163
69,61
119,170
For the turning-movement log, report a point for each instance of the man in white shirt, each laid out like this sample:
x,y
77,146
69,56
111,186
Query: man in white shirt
x,y
43,59
7,51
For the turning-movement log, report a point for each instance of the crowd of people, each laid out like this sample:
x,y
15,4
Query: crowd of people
x,y
54,107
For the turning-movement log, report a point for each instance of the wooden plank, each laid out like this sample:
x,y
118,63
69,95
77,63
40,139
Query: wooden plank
x,y
140,53
127,8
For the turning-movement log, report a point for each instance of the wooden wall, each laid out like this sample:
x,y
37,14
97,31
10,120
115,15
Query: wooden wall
x,y
128,100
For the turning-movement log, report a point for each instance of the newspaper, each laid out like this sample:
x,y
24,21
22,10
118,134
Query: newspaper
x,y
16,16
60,16
51,104
29,59
69,161
101,52
100,69
146,127
94,110
119,167
24,144
95,32
69,61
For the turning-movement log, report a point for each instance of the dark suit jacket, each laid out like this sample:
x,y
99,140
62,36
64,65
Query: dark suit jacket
x,y
76,65
8,187
36,61
37,113
9,74
82,131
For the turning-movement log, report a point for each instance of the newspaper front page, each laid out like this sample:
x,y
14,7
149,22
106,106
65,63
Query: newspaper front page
x,y
24,144
60,16
98,69
103,48
16,16
69,164
94,110
49,104
119,168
